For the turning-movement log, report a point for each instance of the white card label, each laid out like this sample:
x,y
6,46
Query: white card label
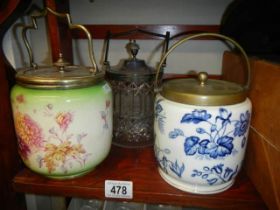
x,y
118,189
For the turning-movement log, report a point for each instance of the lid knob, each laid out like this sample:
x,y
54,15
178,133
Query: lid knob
x,y
61,63
133,47
202,78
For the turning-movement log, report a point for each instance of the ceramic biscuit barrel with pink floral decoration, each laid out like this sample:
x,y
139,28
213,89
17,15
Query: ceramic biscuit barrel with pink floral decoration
x,y
201,129
63,133
62,113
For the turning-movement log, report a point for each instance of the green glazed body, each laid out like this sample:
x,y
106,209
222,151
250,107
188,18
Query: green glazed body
x,y
63,133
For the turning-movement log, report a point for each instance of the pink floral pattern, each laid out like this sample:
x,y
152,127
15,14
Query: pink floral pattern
x,y
63,119
62,151
29,134
105,113
20,99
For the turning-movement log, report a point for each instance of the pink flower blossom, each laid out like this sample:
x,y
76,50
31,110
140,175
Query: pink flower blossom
x,y
63,119
20,98
29,134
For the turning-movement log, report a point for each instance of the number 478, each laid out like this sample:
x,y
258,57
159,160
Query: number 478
x,y
119,190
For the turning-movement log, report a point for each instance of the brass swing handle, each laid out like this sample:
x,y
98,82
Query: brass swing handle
x,y
33,25
193,36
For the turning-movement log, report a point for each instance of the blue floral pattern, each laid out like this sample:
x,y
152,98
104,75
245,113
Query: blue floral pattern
x,y
159,115
168,165
196,117
241,126
217,173
215,138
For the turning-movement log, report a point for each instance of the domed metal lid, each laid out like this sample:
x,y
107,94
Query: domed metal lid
x,y
61,75
203,91
131,68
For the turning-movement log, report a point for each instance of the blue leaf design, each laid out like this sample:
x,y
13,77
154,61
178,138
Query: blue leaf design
x,y
196,117
226,141
228,171
161,123
200,130
223,111
167,165
196,173
218,169
158,107
187,118
223,147
243,142
159,115
220,132
213,128
204,142
224,116
203,146
215,174
212,181
177,169
242,125
204,176
174,134
233,173
191,145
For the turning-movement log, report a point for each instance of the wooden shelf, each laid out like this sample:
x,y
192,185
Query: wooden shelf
x,y
138,166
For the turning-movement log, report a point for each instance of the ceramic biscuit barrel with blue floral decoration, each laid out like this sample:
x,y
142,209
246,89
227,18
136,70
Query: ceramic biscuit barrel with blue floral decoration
x,y
201,130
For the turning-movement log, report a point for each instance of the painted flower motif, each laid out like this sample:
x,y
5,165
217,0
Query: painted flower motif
x,y
49,106
222,148
158,107
191,145
175,133
224,116
24,149
20,99
242,125
243,142
168,165
105,113
196,117
57,155
108,102
29,134
215,138
63,119
176,168
216,174
159,115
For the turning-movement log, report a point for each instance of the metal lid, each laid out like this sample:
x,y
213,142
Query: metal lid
x,y
203,91
60,76
130,68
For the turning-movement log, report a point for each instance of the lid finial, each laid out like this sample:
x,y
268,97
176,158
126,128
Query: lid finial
x,y
202,78
133,47
61,63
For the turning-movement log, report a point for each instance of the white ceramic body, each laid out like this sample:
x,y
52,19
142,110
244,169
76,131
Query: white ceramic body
x,y
63,133
200,149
